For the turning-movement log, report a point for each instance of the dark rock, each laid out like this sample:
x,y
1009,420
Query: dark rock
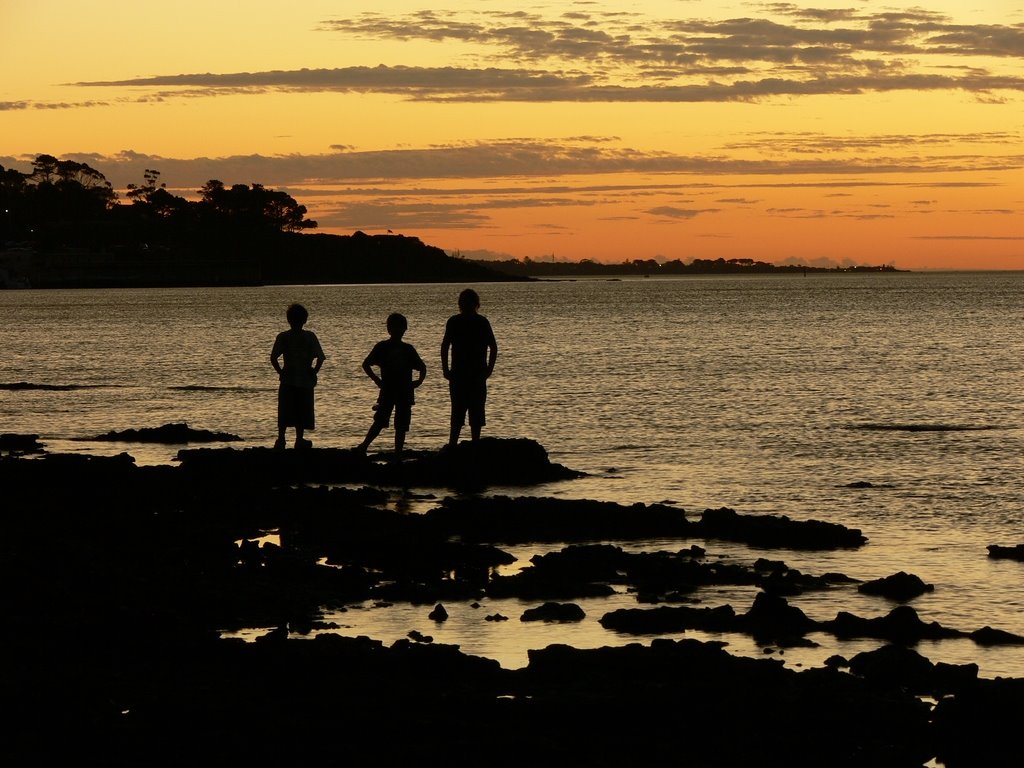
x,y
776,531
900,586
554,612
953,679
495,617
989,636
651,690
836,661
902,625
170,434
418,637
895,666
980,726
1009,553
439,613
792,582
472,466
771,618
277,636
20,444
500,519
669,619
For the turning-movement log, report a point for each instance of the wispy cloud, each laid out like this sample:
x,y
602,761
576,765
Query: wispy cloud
x,y
520,158
588,56
671,212
11,106
969,237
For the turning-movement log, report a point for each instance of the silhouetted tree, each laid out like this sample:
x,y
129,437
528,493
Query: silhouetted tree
x,y
141,194
255,207
154,200
12,201
59,196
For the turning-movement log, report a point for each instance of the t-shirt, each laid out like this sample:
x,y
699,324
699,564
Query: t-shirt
x,y
470,335
396,360
299,349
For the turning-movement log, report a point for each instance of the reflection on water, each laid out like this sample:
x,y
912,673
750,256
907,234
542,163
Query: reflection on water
x,y
888,402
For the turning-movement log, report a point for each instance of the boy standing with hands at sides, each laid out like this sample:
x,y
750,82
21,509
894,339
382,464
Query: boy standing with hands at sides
x,y
470,341
396,360
303,357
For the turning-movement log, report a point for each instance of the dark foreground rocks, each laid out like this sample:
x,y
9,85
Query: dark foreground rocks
x,y
20,444
471,465
168,434
120,579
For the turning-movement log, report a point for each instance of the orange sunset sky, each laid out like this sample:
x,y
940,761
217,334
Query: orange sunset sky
x,y
831,132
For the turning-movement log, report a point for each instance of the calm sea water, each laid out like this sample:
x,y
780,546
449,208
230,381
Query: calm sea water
x,y
768,394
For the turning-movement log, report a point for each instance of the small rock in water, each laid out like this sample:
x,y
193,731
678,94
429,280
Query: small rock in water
x,y
1008,553
554,612
900,586
438,614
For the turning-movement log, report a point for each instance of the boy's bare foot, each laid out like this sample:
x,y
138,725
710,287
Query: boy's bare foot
x,y
279,444
302,443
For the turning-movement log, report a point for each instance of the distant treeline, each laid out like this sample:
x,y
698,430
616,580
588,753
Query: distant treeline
x,y
651,268
62,225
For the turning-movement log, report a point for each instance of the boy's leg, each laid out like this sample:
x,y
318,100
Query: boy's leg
x,y
282,412
371,435
458,417
403,419
476,405
306,418
381,418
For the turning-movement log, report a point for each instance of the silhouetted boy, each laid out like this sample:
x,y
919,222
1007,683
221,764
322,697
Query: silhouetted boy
x,y
396,360
303,357
473,353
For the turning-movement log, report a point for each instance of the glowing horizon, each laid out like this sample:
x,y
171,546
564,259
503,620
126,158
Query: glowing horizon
x,y
833,133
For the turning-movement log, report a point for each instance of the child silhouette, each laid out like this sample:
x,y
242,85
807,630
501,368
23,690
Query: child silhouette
x,y
303,357
396,360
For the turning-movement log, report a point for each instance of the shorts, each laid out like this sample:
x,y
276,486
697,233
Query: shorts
x,y
402,408
295,407
468,396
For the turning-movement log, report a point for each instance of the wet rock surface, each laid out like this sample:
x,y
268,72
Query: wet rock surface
x,y
471,465
169,434
20,444
123,576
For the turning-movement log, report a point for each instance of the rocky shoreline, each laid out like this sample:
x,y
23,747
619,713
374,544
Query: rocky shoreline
x,y
125,577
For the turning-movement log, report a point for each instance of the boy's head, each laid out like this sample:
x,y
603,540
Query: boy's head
x,y
297,315
469,301
397,325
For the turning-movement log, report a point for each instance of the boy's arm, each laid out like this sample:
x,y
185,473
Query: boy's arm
x,y
275,354
318,355
421,368
492,351
368,367
446,344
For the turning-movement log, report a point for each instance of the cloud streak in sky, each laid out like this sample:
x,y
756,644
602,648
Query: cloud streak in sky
x,y
519,158
599,57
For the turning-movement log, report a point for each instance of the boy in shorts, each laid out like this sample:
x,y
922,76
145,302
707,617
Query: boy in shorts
x,y
469,341
396,360
303,357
